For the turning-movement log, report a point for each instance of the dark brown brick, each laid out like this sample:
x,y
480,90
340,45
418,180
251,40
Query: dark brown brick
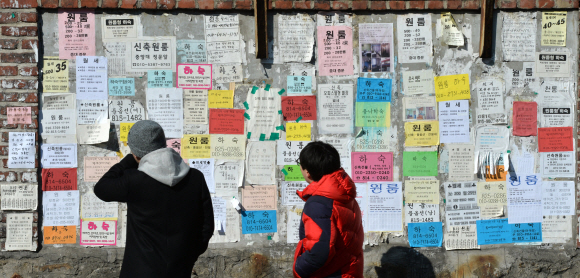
x,y
280,4
149,4
224,5
8,44
397,5
337,5
29,17
169,4
18,58
49,4
244,5
27,44
360,5
189,4
507,4
3,150
546,4
454,4
13,31
435,5
28,71
32,125
69,4
206,4
470,4
20,4
8,18
378,5
322,5
303,5
89,3
9,176
8,70
417,5
112,4
18,84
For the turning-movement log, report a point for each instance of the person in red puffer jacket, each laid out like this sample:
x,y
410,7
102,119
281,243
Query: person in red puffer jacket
x,y
331,231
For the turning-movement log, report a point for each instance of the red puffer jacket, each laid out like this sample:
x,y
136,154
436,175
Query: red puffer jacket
x,y
331,231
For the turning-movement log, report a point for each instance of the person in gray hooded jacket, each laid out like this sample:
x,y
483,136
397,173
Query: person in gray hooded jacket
x,y
170,214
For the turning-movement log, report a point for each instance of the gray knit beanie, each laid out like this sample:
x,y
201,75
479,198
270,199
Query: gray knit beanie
x,y
144,137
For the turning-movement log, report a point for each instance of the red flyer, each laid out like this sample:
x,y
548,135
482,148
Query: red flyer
x,y
59,179
294,107
556,139
525,118
226,121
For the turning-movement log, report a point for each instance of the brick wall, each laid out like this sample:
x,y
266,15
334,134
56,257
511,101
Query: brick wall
x,y
18,86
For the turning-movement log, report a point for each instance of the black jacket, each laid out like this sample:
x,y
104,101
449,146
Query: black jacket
x,y
168,227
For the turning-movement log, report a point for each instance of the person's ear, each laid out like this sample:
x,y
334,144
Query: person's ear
x,y
136,158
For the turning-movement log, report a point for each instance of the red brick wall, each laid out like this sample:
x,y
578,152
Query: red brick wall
x,y
18,84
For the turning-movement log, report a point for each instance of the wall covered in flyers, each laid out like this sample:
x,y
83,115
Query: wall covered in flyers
x,y
438,141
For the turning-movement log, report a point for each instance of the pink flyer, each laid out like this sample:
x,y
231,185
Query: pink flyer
x,y
372,166
335,50
76,33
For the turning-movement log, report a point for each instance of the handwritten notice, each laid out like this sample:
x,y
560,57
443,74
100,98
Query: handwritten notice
x,y
554,28
194,76
555,139
418,82
97,166
191,51
98,232
373,90
454,120
299,85
335,108
93,134
424,133
261,162
461,167
376,47
21,150
385,207
452,87
61,208
525,118
59,155
94,208
55,75
59,179
260,197
19,115
125,110
298,131
417,44
19,196
422,191
287,152
335,50
524,198
222,36
228,177
427,234
91,77
259,221
76,33
227,74
419,164
297,108
519,36
288,191
226,121
228,146
207,167
60,234
558,164
295,39
494,231
490,109
373,114
195,146
292,173
19,232
293,225
372,166
220,99
558,198
421,212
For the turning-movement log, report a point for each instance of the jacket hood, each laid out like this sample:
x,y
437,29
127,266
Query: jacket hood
x,y
337,186
164,165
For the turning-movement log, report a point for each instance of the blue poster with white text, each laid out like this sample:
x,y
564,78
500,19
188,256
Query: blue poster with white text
x,y
259,221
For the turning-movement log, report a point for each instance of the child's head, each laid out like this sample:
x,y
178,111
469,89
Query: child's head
x,y
318,159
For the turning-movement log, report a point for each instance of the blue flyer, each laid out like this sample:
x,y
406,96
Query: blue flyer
x,y
159,79
526,232
259,221
425,234
493,231
299,85
122,86
373,90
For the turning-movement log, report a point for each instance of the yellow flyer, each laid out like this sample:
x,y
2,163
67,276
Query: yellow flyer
x,y
195,146
554,28
298,131
423,133
220,99
55,75
125,127
452,87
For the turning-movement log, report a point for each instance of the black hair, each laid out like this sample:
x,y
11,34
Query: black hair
x,y
319,159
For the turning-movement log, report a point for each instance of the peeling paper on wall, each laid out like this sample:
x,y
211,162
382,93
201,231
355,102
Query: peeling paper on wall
x,y
491,145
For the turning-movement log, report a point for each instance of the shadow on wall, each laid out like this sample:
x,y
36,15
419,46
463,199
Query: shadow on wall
x,y
404,262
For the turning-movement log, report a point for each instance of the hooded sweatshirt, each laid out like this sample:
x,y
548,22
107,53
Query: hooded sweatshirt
x,y
169,215
331,231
